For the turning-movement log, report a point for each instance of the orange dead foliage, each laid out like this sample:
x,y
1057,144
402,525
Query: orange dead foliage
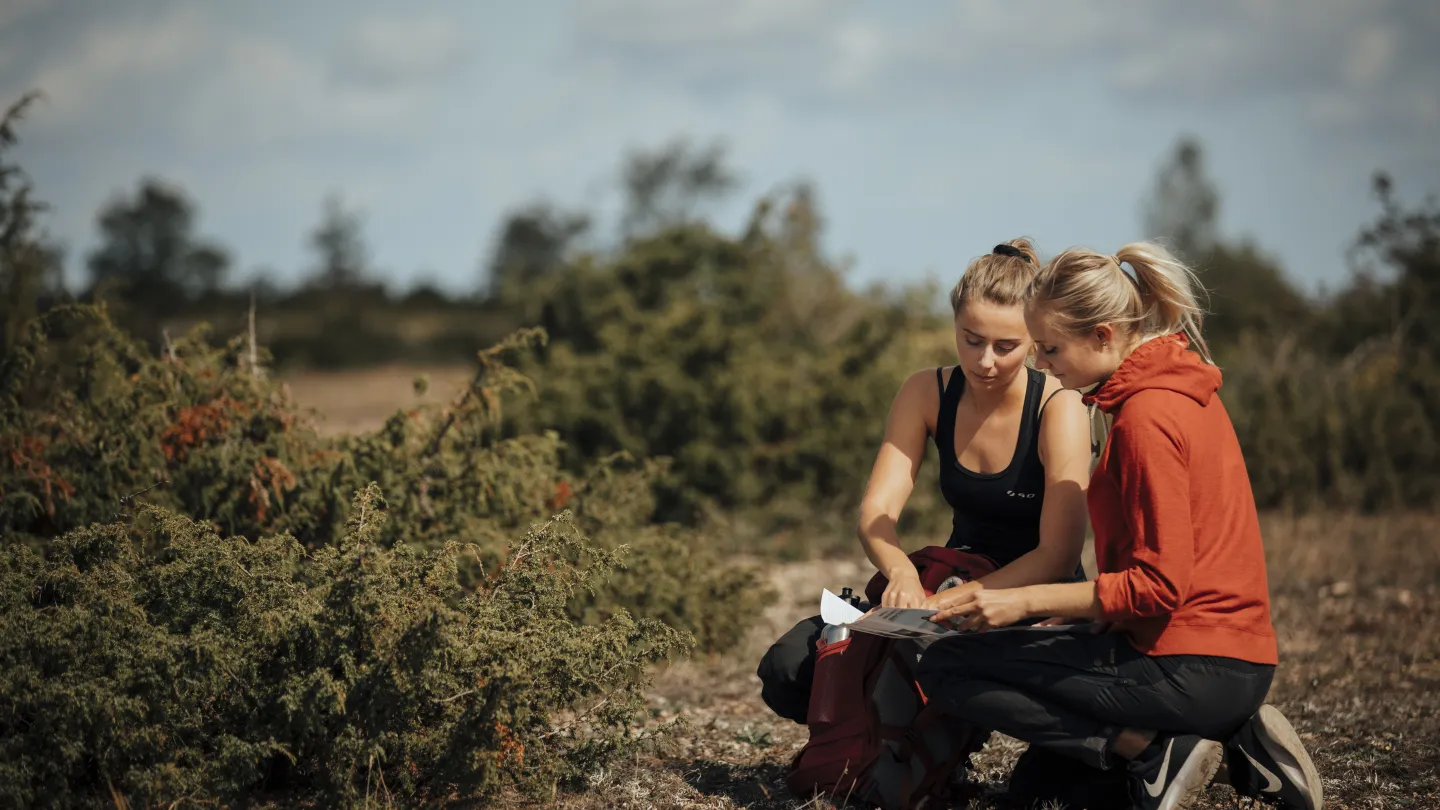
x,y
199,423
562,496
270,475
511,749
28,459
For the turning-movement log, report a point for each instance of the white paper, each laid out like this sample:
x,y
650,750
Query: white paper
x,y
834,610
895,622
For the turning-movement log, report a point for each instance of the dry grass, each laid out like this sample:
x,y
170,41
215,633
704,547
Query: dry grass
x,y
362,399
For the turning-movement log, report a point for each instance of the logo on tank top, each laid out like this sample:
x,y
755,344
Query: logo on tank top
x,y
1012,493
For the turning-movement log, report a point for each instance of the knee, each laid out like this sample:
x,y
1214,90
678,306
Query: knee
x,y
967,657
928,675
944,661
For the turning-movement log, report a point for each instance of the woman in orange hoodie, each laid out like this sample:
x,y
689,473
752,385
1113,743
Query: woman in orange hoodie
x,y
1166,666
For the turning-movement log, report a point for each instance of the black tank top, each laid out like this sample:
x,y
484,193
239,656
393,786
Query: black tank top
x,y
996,514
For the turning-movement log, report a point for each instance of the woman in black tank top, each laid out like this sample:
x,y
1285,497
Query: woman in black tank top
x,y
1014,461
1014,447
996,514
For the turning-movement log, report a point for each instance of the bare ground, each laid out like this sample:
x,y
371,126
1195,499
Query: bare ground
x,y
357,400
1354,604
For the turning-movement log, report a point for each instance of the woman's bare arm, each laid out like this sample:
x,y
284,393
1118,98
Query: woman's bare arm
x,y
892,478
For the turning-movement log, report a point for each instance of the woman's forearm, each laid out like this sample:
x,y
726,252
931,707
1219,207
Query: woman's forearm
x,y
1069,599
881,541
1037,566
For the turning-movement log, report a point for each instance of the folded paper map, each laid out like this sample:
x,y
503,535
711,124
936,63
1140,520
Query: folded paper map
x,y
893,622
890,622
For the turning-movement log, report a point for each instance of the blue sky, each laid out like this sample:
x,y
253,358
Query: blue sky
x,y
932,130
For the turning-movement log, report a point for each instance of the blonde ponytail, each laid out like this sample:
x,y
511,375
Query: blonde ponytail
x,y
1081,289
1168,292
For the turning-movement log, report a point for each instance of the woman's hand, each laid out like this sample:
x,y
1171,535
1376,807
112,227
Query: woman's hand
x,y
986,609
952,596
903,590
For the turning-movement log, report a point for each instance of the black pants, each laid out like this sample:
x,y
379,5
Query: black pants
x,y
1071,691
788,668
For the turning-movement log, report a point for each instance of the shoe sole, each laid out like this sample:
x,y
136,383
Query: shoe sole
x,y
1283,745
1194,776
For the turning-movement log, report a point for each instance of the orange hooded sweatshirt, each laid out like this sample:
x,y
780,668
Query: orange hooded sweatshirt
x,y
1177,539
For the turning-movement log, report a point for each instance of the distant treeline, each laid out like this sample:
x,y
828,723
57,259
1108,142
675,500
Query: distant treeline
x,y
749,362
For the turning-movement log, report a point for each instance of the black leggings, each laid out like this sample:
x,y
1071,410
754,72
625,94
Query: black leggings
x,y
1072,690
788,668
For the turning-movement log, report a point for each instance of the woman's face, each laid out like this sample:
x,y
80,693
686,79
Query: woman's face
x,y
991,343
1077,361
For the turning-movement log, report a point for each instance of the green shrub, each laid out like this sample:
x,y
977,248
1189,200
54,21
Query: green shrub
x,y
746,361
297,637
1354,432
218,668
91,419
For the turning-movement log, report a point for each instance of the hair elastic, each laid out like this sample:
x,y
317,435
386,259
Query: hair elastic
x,y
1130,274
1008,250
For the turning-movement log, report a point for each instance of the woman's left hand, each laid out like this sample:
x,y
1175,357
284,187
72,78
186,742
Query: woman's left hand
x,y
986,610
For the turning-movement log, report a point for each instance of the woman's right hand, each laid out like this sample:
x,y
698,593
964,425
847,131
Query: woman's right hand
x,y
903,590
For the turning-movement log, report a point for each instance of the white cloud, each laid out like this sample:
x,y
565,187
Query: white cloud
x,y
860,52
797,49
1326,55
108,58
402,50
259,92
1370,58
179,71
661,23
13,12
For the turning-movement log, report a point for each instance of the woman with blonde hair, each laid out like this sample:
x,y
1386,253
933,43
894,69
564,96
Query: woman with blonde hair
x,y
1166,673
1014,452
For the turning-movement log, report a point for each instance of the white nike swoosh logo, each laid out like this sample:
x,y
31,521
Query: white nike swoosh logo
x,y
1272,782
1158,787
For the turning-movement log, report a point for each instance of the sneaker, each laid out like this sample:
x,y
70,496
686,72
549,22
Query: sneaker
x,y
1267,761
1173,771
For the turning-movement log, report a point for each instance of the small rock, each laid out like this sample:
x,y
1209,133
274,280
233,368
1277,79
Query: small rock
x,y
1405,598
1341,588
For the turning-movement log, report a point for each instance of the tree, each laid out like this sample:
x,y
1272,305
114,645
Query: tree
x,y
340,246
149,254
1184,206
668,185
1249,293
532,246
1397,263
30,268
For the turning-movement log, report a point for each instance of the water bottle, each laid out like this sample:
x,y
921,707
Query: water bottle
x,y
832,633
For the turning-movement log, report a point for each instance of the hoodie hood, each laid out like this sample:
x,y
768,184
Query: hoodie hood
x,y
1164,363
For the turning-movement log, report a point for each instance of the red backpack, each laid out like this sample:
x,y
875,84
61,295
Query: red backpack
x,y
872,737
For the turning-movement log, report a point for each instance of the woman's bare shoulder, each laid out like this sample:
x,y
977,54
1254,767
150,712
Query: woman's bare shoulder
x,y
1057,400
1054,390
919,395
